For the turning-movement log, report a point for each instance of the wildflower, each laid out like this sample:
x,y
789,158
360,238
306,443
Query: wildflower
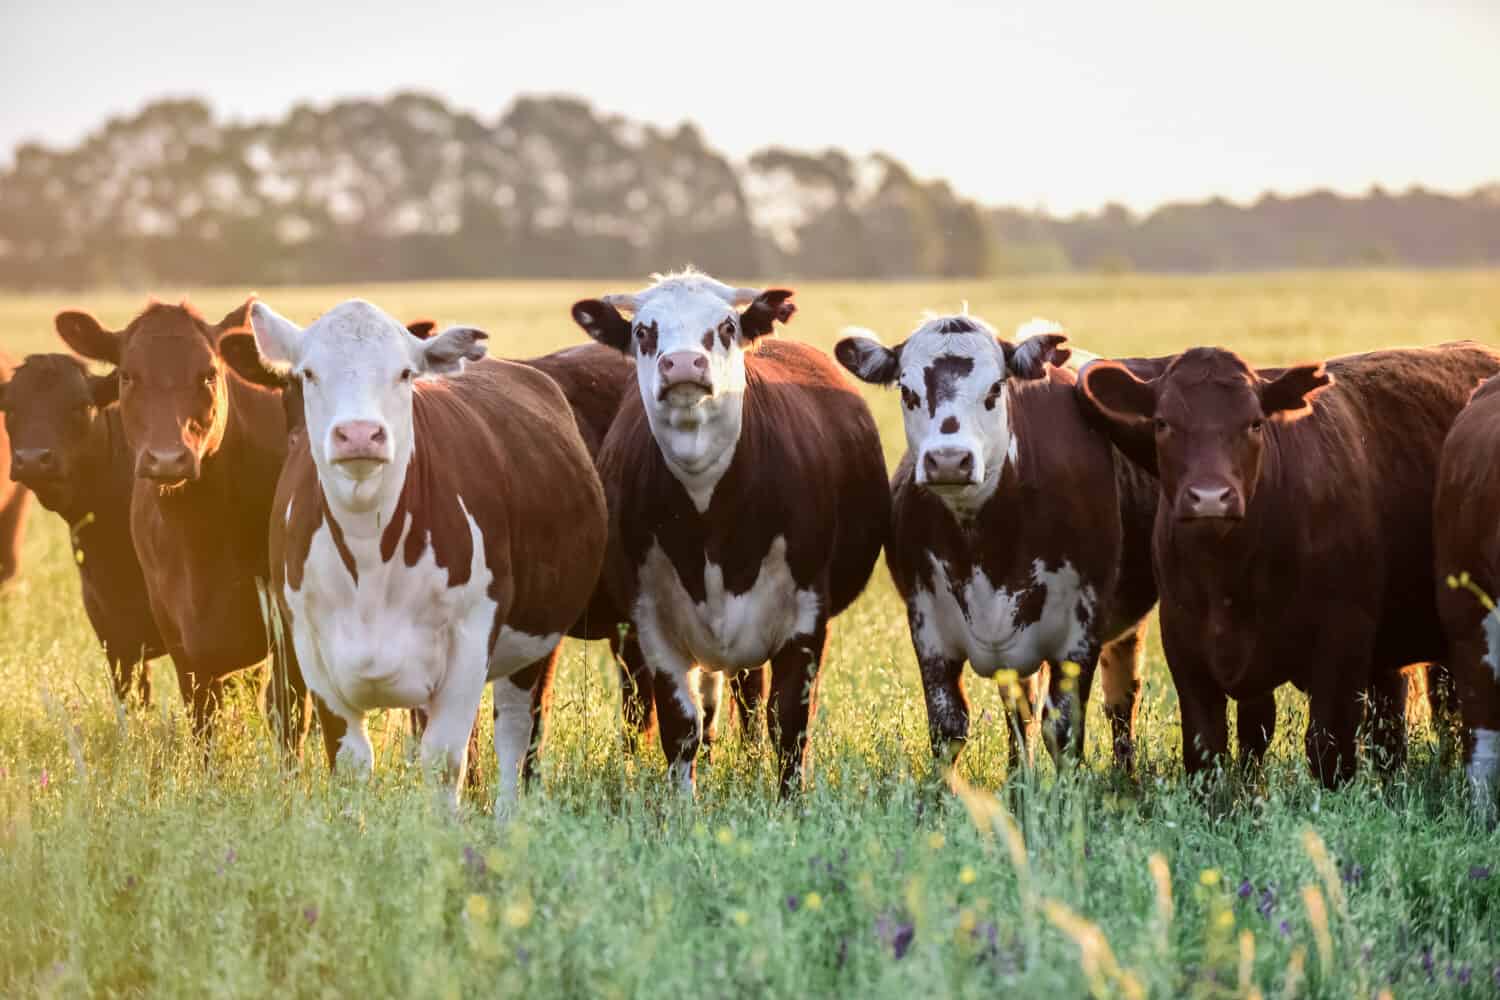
x,y
1353,874
1209,877
518,913
45,779
896,935
1267,902
740,918
230,857
814,901
792,903
1071,669
1225,919
966,921
725,836
1245,890
477,908
493,859
936,840
1464,974
310,914
1479,872
1285,929
966,875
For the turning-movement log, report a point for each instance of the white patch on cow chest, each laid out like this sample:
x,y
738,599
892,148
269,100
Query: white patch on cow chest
x,y
724,631
1492,643
1484,768
973,619
390,640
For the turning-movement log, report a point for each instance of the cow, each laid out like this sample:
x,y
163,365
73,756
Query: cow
x,y
206,448
1293,539
593,379
438,526
748,502
67,444
1466,541
14,496
1019,538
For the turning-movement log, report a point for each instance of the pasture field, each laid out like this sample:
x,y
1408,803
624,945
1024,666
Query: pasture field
x,y
127,868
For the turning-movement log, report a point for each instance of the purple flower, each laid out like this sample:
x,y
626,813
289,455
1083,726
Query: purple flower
x,y
474,861
1463,975
1479,872
230,857
1246,889
895,934
1353,873
310,913
522,955
1427,963
130,881
792,902
1267,902
1285,929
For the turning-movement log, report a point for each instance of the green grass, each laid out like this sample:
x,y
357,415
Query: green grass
x,y
127,869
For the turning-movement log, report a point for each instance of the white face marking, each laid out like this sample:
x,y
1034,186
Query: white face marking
x,y
697,429
990,636
960,388
725,631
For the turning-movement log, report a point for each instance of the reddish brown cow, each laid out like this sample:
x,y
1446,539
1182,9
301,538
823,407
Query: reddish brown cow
x,y
1293,537
1466,530
1020,537
747,496
14,496
68,445
207,448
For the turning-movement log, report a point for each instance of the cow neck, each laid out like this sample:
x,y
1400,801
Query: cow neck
x,y
699,445
107,478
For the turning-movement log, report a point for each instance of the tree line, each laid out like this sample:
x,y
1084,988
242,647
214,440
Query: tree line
x,y
408,187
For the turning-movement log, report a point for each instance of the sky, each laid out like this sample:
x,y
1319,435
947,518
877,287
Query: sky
x,y
1058,105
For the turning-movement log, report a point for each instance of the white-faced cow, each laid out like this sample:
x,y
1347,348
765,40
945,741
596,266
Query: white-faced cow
x,y
1293,538
436,528
1019,537
748,499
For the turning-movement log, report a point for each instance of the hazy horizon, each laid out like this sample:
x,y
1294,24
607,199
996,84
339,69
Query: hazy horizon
x,y
1063,107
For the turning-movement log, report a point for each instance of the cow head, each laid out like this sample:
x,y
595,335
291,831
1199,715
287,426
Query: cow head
x,y
357,369
174,398
50,405
953,373
1208,413
689,338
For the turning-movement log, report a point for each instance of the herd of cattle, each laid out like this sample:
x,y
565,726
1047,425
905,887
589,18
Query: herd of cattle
x,y
431,521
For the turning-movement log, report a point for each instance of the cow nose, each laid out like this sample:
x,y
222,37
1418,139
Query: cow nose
x,y
1213,500
359,439
32,462
949,466
683,366
165,464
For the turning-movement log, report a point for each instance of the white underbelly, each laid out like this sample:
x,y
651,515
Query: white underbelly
x,y
976,621
724,631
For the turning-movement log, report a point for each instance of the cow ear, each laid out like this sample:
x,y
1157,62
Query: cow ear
x,y
1029,358
236,319
243,358
104,390
868,359
770,307
1118,394
83,334
603,322
421,328
279,339
1289,396
446,353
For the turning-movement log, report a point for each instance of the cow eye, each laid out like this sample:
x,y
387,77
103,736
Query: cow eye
x,y
126,378
1256,425
307,377
1161,425
407,374
210,377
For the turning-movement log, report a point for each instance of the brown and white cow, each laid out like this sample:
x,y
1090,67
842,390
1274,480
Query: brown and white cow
x,y
1019,536
206,448
1293,539
436,528
14,496
1466,530
747,496
67,445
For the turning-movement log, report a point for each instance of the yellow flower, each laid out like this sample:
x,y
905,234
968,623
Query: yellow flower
x,y
494,859
518,914
936,840
967,876
1209,877
1224,920
740,917
813,901
1005,678
1071,669
725,836
478,908
966,921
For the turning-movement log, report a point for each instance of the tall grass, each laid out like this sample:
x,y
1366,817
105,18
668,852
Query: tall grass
x,y
127,867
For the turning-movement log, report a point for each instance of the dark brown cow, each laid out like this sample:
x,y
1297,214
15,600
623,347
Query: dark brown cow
x,y
435,529
1466,529
1293,538
1020,538
748,501
14,496
207,448
67,444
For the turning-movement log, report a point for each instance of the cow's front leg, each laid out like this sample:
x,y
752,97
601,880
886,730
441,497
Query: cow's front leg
x,y
794,690
1255,727
1385,718
1021,700
450,723
129,673
679,719
711,702
1068,703
748,689
203,692
637,706
1120,664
